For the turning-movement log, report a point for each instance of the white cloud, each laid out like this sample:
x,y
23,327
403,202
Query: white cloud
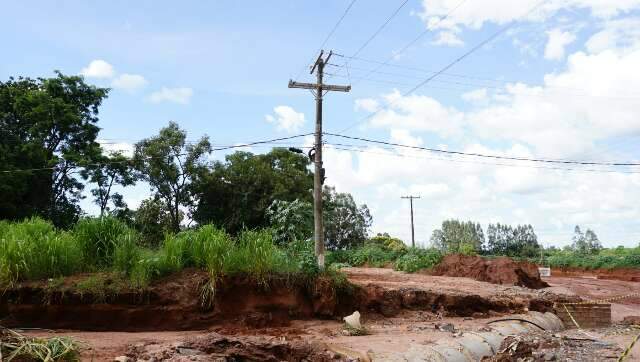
x,y
558,40
98,69
621,34
110,146
129,82
473,14
476,96
286,119
367,104
448,38
175,95
416,112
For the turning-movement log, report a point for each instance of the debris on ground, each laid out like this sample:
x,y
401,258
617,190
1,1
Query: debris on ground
x,y
214,346
542,346
501,270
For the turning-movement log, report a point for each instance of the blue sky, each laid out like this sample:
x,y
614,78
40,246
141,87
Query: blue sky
x,y
560,82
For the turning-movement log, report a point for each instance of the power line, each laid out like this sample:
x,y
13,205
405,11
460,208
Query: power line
x,y
180,154
415,40
333,30
448,66
467,84
375,34
476,162
471,154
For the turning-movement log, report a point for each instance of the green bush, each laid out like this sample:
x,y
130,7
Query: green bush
x,y
416,259
99,237
372,255
34,249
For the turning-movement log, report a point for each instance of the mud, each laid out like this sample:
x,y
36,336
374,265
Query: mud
x,y
214,346
500,270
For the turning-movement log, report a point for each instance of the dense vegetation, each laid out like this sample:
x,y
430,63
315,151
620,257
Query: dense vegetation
x,y
34,249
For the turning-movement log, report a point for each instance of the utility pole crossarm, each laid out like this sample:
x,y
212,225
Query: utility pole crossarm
x,y
293,84
313,86
337,88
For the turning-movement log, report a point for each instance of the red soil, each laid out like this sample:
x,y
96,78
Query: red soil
x,y
624,274
500,270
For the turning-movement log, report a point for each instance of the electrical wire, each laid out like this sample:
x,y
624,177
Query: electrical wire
x,y
480,163
412,42
472,154
180,154
333,30
448,66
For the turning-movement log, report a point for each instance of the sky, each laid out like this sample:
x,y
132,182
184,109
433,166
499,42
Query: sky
x,y
556,79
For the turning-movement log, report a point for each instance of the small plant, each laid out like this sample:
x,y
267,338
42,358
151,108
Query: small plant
x,y
17,347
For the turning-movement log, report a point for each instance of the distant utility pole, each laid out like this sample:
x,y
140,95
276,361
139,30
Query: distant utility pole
x,y
413,236
318,177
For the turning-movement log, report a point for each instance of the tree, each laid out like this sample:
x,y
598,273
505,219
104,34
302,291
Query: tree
x,y
585,243
346,224
520,241
152,219
236,194
47,126
456,236
111,170
170,164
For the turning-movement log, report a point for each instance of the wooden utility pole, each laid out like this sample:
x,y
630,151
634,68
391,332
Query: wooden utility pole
x,y
318,176
413,236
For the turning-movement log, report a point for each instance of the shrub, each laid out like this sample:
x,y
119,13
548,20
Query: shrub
x,y
372,255
33,249
99,237
416,259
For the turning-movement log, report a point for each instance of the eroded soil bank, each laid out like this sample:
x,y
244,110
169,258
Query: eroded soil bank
x,y
624,274
177,302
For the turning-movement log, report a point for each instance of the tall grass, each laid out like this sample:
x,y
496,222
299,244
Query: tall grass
x,y
99,238
33,249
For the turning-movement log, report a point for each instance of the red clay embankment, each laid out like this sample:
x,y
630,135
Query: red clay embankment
x,y
624,274
501,270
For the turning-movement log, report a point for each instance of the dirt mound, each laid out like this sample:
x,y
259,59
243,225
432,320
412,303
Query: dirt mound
x,y
214,346
500,270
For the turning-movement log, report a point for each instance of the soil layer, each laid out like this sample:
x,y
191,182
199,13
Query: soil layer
x,y
501,270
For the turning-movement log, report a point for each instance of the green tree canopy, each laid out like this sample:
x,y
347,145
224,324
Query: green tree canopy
x,y
504,239
346,224
169,164
456,236
48,125
235,194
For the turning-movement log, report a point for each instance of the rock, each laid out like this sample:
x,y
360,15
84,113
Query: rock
x,y
631,320
353,320
188,351
122,359
549,356
447,327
